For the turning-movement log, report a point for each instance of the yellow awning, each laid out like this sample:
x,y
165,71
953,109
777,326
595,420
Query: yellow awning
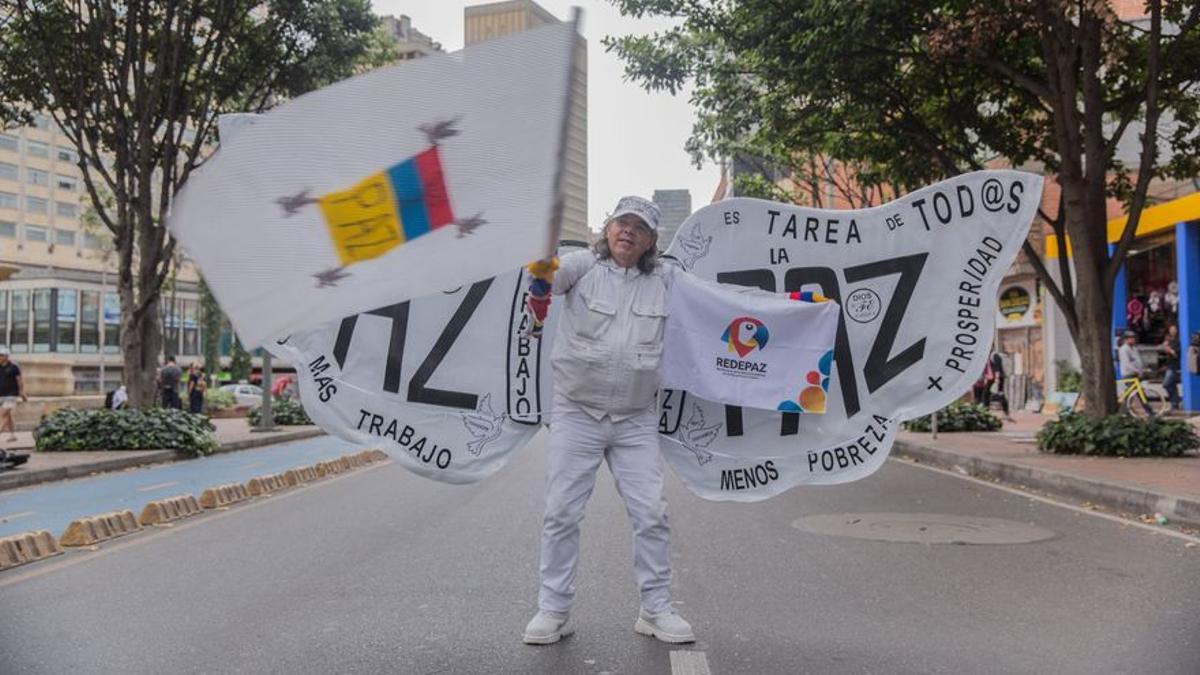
x,y
1154,219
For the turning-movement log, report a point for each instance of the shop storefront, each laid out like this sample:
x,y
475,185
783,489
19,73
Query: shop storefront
x,y
1159,285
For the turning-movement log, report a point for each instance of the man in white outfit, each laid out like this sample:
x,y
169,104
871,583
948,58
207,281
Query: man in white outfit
x,y
606,375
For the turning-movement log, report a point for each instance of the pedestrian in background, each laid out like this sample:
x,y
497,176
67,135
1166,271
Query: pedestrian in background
x,y
1170,359
168,382
12,387
196,387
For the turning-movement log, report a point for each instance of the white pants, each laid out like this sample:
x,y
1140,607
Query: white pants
x,y
577,445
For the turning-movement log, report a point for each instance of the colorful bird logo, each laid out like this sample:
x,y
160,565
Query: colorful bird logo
x,y
812,396
744,334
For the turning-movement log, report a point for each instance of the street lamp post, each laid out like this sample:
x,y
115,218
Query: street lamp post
x,y
266,421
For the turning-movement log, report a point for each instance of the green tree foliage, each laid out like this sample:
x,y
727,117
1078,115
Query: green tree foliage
x,y
239,362
909,92
136,87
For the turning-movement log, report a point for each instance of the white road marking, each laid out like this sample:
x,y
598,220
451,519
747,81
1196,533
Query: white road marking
x,y
1154,529
152,488
689,663
14,516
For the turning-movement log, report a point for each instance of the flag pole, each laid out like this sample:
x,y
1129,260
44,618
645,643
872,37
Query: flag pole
x,y
560,172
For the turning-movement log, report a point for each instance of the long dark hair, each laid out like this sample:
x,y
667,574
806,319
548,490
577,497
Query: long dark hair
x,y
646,264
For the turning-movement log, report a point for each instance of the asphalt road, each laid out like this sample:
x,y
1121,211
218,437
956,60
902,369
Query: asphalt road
x,y
381,571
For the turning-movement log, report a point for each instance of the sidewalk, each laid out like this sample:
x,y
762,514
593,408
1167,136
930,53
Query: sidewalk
x,y
42,467
1132,486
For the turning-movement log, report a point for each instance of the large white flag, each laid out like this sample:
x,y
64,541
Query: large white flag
x,y
750,348
916,280
392,185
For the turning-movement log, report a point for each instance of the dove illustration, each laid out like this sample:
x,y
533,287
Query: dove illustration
x,y
696,436
694,247
484,424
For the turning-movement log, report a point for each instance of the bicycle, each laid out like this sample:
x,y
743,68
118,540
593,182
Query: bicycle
x,y
1136,390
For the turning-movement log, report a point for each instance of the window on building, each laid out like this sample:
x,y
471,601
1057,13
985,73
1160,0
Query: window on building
x,y
8,229
36,233
64,237
8,200
37,149
41,319
4,317
37,176
19,339
112,323
65,318
9,142
36,204
191,328
225,341
91,241
41,121
170,327
66,183
89,322
66,155
8,171
66,209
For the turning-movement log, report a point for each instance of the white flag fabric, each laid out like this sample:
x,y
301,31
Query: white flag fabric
x,y
450,385
917,281
755,349
392,185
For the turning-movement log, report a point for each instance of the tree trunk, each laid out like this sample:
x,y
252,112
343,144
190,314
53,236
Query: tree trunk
x,y
1086,226
141,343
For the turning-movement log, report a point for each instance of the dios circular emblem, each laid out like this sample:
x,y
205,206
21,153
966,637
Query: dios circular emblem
x,y
863,305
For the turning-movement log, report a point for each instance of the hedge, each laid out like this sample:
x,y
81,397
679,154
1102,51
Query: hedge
x,y
1117,436
958,416
130,429
285,412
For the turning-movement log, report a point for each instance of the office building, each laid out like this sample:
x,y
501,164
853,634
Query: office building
x,y
484,22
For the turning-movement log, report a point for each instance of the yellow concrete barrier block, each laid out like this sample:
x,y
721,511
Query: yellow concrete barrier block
x,y
331,467
27,547
169,509
298,476
223,495
265,485
93,529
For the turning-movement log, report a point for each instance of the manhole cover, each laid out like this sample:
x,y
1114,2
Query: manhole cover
x,y
923,528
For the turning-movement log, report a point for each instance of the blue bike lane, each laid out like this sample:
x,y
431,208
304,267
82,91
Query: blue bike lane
x,y
51,506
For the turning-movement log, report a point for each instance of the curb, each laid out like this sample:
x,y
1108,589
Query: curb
x,y
1114,495
20,478
171,508
27,547
93,529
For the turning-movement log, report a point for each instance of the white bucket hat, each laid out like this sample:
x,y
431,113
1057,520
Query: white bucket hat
x,y
641,207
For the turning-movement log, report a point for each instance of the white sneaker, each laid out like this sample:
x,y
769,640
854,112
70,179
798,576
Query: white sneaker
x,y
666,627
547,628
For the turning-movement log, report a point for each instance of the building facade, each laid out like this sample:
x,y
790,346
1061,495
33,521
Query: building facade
x,y
410,42
676,206
485,22
59,310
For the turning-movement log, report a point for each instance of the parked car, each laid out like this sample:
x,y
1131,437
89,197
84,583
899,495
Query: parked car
x,y
245,394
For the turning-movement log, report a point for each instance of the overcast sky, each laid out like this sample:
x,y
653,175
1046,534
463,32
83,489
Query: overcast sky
x,y
635,139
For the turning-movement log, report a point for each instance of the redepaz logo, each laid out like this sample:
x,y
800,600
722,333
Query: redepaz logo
x,y
744,334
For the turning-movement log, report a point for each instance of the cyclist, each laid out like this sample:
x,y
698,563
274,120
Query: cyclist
x,y
1130,361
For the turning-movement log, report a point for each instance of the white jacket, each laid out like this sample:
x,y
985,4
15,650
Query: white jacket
x,y
608,353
